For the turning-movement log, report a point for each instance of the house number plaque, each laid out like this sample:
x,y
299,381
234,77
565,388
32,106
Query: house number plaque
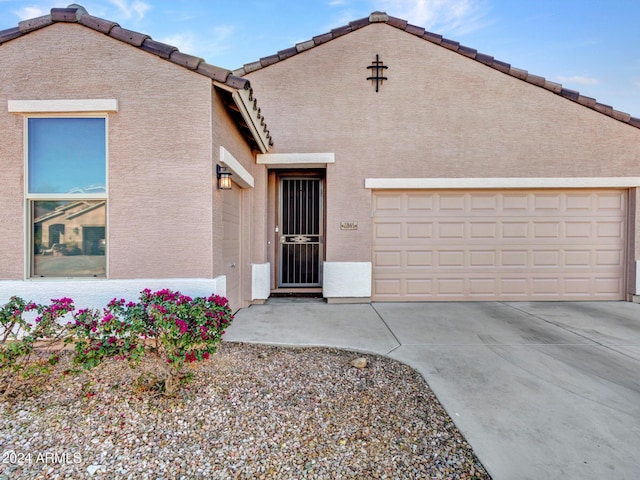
x,y
348,225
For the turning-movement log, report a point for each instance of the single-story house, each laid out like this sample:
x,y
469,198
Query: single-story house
x,y
376,162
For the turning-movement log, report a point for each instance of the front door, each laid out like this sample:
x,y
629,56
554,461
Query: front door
x,y
300,232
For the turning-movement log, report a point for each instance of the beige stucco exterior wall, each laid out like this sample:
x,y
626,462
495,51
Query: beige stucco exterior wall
x,y
160,160
438,115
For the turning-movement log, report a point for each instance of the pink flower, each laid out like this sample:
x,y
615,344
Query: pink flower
x,y
182,325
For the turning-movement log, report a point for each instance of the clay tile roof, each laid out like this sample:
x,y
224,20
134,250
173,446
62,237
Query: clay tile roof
x,y
489,61
77,14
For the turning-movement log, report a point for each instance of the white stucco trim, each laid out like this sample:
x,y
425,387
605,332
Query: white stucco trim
x,y
296,160
96,293
63,106
241,176
260,281
638,278
507,182
346,279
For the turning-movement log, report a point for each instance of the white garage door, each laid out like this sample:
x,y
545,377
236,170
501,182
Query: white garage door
x,y
499,245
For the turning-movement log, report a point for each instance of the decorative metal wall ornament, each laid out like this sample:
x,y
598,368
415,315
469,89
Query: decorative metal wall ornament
x,y
377,69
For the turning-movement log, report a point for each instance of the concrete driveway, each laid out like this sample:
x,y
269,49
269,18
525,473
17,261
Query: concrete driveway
x,y
540,390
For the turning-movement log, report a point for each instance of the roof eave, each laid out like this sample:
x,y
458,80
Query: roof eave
x,y
247,107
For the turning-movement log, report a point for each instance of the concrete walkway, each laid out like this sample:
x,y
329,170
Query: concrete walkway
x,y
540,390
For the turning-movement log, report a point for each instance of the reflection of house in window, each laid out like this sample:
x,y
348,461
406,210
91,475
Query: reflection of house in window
x,y
70,228
69,237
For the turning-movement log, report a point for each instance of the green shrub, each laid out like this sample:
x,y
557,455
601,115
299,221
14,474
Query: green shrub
x,y
19,340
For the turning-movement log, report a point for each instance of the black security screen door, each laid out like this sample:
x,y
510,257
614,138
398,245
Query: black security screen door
x,y
300,232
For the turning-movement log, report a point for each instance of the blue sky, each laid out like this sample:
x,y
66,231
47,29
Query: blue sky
x,y
592,46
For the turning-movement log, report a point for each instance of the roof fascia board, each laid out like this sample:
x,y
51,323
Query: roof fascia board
x,y
506,182
251,115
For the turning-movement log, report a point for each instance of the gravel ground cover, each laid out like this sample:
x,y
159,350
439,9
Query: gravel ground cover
x,y
251,412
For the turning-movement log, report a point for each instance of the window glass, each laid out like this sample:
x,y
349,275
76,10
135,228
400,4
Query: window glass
x,y
69,238
66,155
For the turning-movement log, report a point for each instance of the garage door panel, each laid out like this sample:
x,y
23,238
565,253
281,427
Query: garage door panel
x,y
577,229
483,258
419,230
453,201
609,258
473,245
388,230
549,202
610,202
451,230
419,286
388,288
517,230
388,203
420,203
610,230
419,258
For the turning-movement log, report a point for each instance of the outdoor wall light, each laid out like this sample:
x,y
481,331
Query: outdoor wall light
x,y
224,178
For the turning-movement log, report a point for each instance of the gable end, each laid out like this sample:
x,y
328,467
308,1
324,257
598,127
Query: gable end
x,y
488,60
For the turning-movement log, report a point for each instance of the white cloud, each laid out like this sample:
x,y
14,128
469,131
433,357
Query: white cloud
x,y
450,17
215,42
580,80
184,41
128,9
26,13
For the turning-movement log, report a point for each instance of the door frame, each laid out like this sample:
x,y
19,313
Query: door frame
x,y
319,174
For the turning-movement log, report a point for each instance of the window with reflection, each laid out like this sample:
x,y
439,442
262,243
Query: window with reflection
x,y
66,194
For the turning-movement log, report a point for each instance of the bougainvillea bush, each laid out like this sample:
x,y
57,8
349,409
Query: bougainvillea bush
x,y
20,340
175,328
172,328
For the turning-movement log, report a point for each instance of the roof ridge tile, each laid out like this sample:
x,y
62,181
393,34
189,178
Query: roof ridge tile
x,y
302,46
9,34
397,22
27,26
338,32
128,36
433,37
415,30
158,48
71,15
213,72
378,17
97,23
324,38
185,60
289,52
450,44
361,22
467,51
